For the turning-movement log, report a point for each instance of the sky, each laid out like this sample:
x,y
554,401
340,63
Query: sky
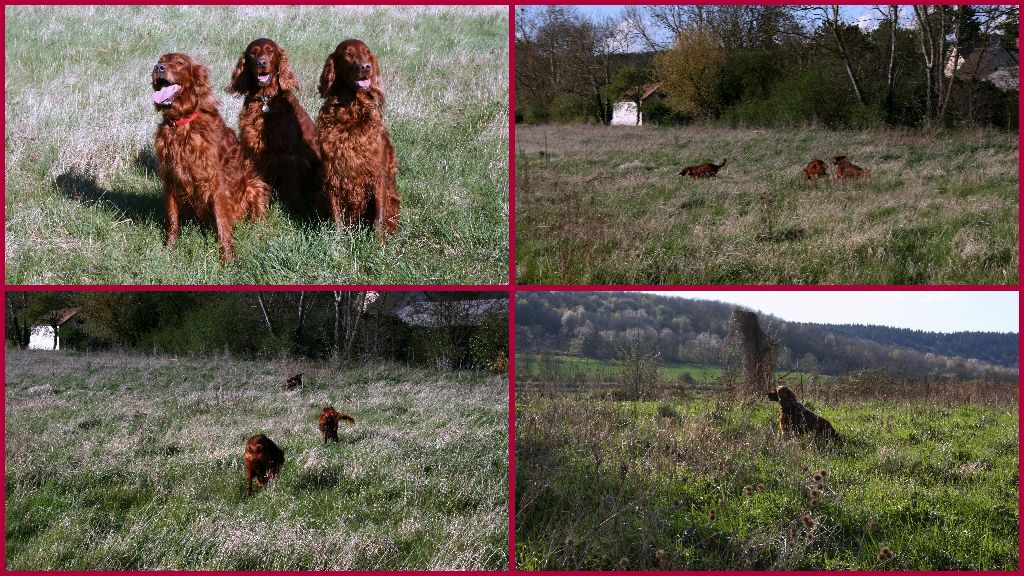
x,y
866,16
932,311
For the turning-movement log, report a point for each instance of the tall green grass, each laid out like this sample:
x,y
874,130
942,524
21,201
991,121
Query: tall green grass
x,y
709,485
130,463
84,200
606,205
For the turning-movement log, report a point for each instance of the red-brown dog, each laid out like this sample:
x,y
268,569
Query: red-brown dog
x,y
705,170
848,170
329,418
816,169
797,419
263,461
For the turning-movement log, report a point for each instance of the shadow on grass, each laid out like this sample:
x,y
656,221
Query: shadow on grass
x,y
141,208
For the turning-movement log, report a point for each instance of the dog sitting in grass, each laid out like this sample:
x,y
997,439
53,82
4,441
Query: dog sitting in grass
x,y
797,419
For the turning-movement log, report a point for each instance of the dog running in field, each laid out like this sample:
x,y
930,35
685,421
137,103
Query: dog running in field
x,y
293,382
797,419
200,157
329,418
846,170
263,461
816,169
705,170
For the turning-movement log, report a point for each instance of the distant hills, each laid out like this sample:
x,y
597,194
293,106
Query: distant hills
x,y
596,324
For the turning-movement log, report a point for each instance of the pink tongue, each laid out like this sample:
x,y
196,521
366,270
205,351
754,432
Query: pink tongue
x,y
165,94
264,79
363,84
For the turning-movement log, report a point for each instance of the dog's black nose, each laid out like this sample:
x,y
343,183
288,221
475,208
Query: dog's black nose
x,y
159,68
365,66
262,62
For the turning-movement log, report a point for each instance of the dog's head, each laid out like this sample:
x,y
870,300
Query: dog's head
x,y
351,69
782,394
180,85
263,65
837,160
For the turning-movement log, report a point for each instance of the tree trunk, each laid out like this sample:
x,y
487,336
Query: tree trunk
x,y
943,108
845,55
894,18
353,327
302,317
336,350
266,316
928,57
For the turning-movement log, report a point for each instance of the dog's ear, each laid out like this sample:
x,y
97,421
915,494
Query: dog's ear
x,y
327,77
241,79
375,82
285,76
201,84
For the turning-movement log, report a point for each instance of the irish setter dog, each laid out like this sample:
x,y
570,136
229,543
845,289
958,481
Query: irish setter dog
x,y
847,170
329,418
277,134
797,419
705,170
816,169
263,461
200,157
293,382
359,167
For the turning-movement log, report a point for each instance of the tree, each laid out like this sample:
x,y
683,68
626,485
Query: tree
x,y
690,72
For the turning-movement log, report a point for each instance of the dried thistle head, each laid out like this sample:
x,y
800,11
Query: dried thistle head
x,y
748,490
815,493
624,563
807,520
712,514
744,564
885,554
814,503
661,555
759,488
818,477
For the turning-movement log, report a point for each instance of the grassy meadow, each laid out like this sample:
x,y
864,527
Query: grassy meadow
x,y
606,205
131,463
704,484
84,201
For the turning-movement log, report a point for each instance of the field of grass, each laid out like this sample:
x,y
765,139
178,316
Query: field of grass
x,y
84,202
704,485
529,365
606,205
132,463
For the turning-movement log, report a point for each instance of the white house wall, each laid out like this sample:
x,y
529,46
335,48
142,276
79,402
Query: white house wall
x,y
624,114
42,338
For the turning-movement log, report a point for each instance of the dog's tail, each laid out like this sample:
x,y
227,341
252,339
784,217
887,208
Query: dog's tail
x,y
347,418
257,195
723,162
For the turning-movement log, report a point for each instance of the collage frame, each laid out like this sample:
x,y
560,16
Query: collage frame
x,y
510,288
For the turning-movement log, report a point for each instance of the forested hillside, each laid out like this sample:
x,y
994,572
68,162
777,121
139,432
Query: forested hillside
x,y
596,324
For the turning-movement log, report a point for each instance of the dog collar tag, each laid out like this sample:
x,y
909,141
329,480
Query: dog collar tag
x,y
266,108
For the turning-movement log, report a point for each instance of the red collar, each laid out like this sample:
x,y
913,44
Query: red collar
x,y
186,119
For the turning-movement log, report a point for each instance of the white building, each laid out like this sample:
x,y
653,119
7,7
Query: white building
x,y
47,336
625,113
